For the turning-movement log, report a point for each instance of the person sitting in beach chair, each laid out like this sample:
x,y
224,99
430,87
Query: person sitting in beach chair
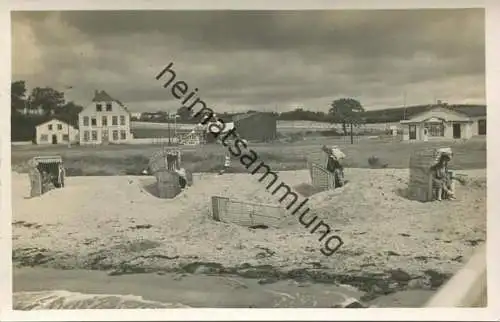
x,y
47,181
59,179
442,178
334,165
182,177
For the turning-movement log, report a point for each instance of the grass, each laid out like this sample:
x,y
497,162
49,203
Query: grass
x,y
132,159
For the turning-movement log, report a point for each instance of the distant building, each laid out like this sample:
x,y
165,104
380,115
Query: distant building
x,y
55,132
106,120
259,127
444,122
136,115
31,111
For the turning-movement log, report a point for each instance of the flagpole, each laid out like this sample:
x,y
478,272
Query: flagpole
x,y
404,104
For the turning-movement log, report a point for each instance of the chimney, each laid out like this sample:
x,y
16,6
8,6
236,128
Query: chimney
x,y
96,92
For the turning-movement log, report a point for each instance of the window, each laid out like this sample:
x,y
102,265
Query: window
x,y
481,127
65,137
44,138
93,121
115,135
109,107
412,132
50,127
122,119
86,136
123,135
114,120
98,107
59,127
104,121
85,121
435,129
94,135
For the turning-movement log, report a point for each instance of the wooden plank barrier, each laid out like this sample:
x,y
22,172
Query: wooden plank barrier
x,y
468,287
320,177
247,214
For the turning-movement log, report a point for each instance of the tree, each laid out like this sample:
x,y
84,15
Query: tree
x,y
17,95
47,98
347,111
184,114
69,113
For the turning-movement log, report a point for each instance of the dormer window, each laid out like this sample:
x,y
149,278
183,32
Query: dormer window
x,y
109,107
98,107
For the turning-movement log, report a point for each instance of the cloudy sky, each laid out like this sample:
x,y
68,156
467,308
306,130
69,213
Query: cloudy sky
x,y
259,60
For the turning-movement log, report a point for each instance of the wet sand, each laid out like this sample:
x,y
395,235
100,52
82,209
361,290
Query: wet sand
x,y
204,290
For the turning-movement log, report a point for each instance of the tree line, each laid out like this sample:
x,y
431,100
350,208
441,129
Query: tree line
x,y
25,106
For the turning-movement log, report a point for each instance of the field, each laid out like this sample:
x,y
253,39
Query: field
x,y
163,130
106,219
132,159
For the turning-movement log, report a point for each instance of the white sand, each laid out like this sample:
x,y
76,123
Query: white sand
x,y
95,214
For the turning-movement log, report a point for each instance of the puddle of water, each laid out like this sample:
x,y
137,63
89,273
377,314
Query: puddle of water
x,y
188,289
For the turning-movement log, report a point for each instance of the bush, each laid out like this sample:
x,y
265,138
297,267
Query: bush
x,y
375,162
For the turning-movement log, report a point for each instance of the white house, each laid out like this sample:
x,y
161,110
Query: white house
x,y
106,120
442,122
56,132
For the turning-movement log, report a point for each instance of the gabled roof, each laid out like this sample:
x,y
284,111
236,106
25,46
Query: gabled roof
x,y
240,117
470,110
417,117
55,119
102,96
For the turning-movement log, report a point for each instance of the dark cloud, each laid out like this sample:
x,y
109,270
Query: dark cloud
x,y
258,58
355,32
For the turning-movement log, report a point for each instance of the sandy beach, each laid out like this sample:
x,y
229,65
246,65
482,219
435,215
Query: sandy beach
x,y
114,224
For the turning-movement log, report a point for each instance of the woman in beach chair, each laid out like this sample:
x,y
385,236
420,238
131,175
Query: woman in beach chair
x,y
334,166
182,177
442,178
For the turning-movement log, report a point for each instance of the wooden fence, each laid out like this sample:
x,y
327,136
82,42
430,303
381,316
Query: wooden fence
x,y
246,213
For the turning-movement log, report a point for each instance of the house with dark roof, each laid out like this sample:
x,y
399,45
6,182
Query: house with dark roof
x,y
105,120
445,122
55,131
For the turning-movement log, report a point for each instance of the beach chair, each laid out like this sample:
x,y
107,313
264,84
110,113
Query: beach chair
x,y
165,166
45,173
420,185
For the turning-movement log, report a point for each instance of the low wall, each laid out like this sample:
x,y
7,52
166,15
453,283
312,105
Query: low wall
x,y
468,287
152,141
18,143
